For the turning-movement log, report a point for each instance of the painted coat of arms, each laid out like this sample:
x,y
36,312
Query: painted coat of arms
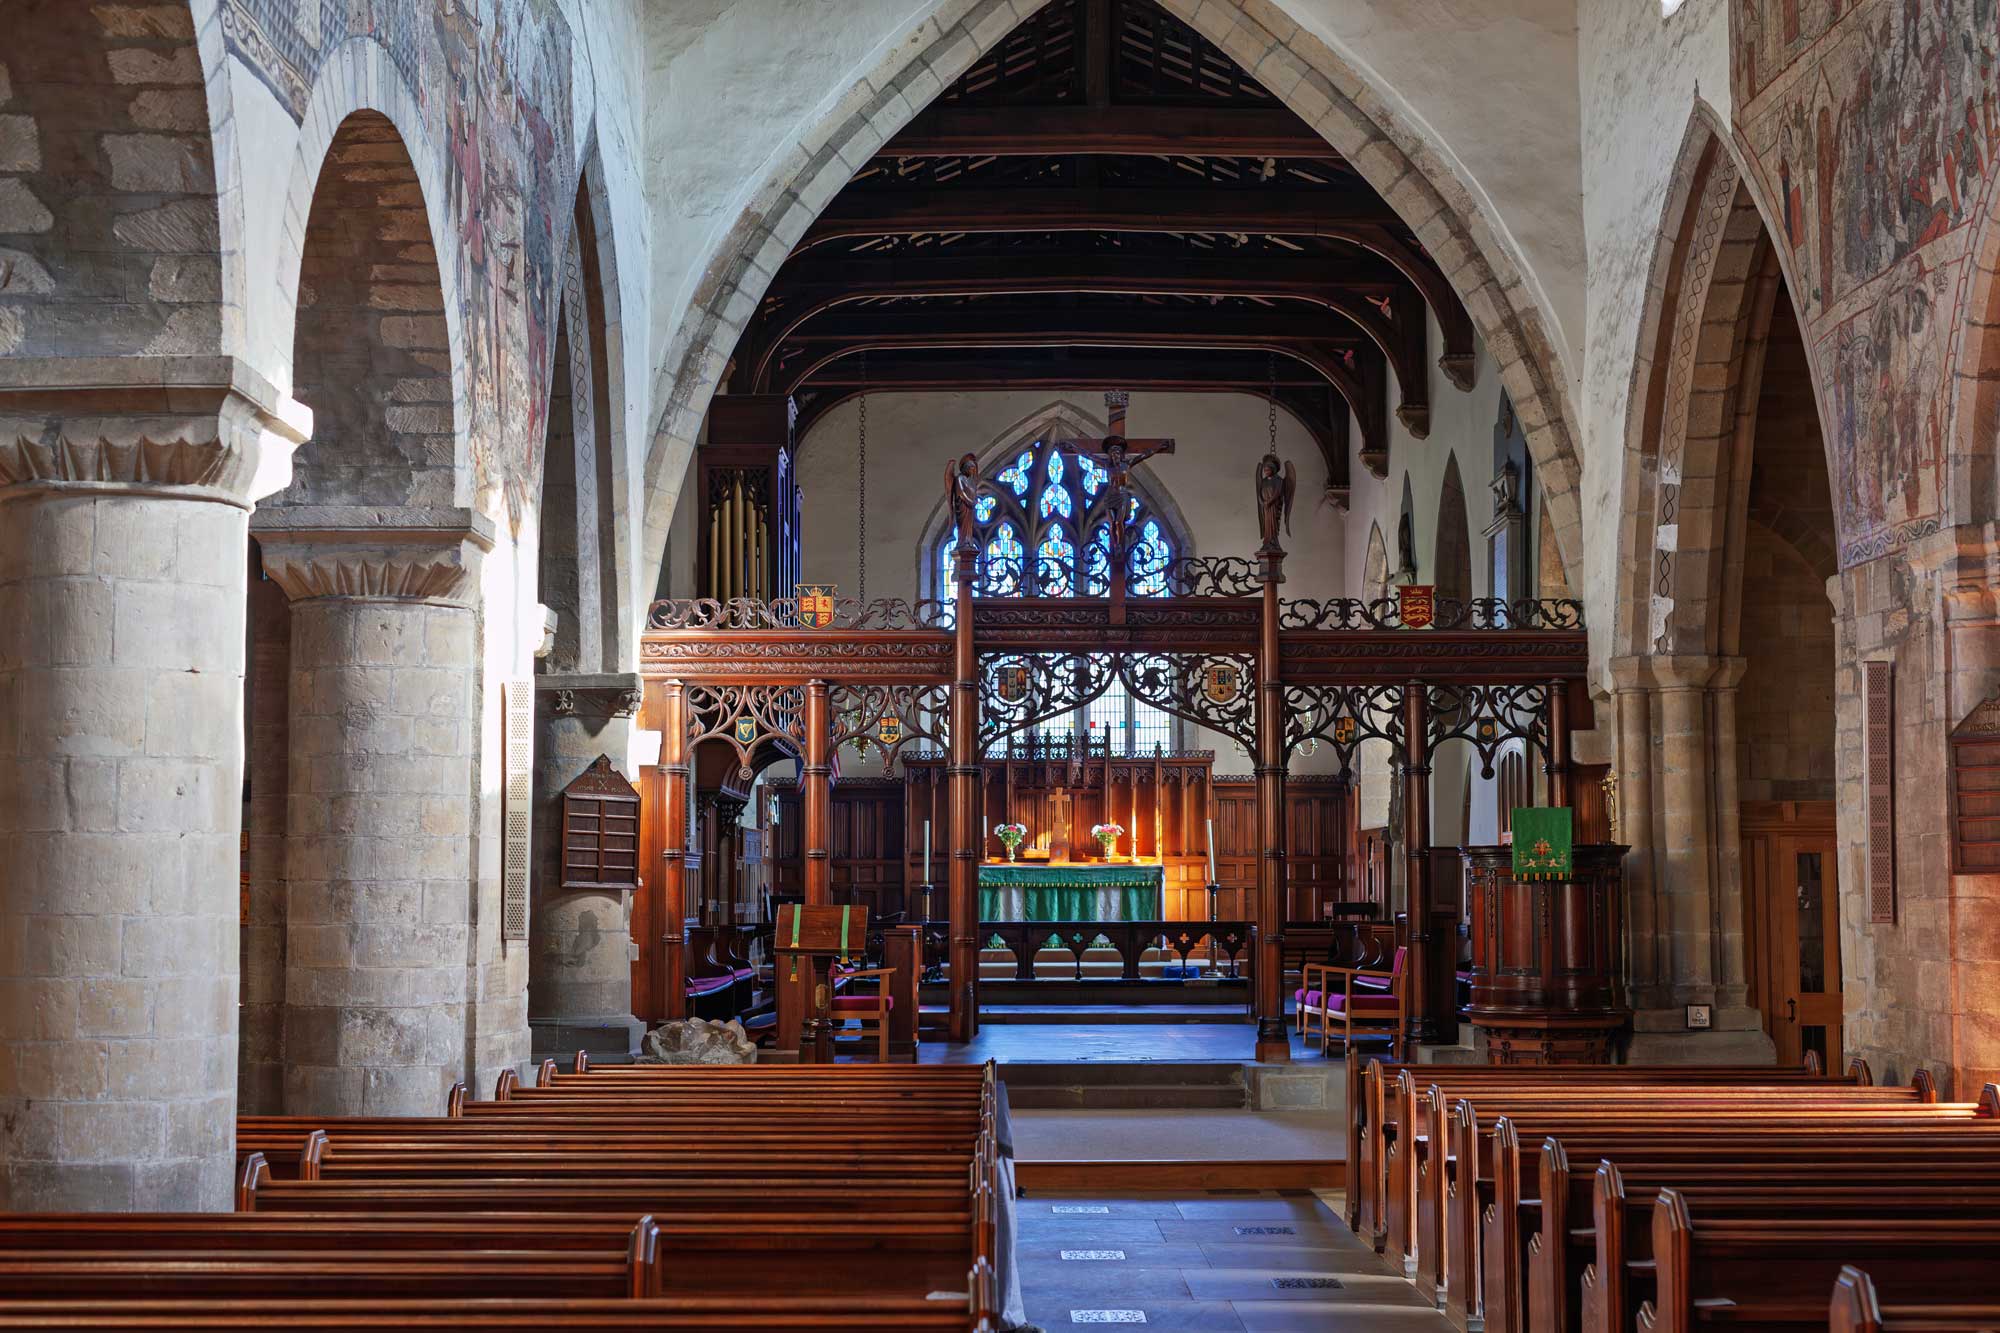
x,y
1416,605
815,605
1221,682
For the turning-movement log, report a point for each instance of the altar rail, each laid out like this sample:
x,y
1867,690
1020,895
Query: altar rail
x,y
1130,940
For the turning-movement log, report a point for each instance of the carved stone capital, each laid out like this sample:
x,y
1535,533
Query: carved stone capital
x,y
1676,672
185,427
394,554
594,695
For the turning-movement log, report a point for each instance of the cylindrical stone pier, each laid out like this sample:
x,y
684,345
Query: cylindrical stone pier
x,y
580,976
379,869
124,492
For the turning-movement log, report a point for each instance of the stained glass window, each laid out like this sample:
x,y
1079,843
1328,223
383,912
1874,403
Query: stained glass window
x,y
1055,564
1002,575
1033,510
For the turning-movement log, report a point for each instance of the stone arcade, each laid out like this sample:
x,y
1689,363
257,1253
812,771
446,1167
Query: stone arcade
x,y
505,502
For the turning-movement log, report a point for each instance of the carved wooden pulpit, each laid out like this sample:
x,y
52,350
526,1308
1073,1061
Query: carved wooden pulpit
x,y
815,937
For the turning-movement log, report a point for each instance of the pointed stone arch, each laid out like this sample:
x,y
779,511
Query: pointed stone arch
x,y
1451,547
1297,66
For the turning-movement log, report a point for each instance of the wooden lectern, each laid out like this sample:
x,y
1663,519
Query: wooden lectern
x,y
816,936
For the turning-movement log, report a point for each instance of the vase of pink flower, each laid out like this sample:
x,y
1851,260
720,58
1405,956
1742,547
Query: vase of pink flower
x,y
1107,836
1011,837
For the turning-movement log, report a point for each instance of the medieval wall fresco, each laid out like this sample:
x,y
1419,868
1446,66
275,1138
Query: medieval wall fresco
x,y
1873,127
493,80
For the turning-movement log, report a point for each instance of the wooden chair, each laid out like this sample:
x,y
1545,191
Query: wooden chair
x,y
870,1009
1355,1001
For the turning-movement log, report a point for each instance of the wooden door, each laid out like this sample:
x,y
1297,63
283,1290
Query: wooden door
x,y
1792,926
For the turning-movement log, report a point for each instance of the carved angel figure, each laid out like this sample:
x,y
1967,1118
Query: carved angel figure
x,y
1276,485
961,488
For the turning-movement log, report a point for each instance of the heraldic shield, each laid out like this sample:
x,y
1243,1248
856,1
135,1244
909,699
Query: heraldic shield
x,y
1221,682
815,605
1416,605
1011,682
889,731
746,731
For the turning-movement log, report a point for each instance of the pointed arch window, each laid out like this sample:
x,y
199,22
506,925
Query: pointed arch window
x,y
1039,499
1043,525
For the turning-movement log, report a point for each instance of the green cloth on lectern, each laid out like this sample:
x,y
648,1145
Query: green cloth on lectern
x,y
1129,892
1542,842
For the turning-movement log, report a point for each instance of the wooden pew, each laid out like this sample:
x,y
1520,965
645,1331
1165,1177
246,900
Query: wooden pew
x,y
1563,1254
1490,1176
1626,1231
1483,1203
1856,1309
892,1212
1775,1271
1375,1089
1419,1181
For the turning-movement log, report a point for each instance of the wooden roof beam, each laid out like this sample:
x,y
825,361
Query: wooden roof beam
x,y
1357,217
1112,131
1398,331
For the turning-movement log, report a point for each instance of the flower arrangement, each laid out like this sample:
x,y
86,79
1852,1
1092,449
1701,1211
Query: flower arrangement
x,y
1011,836
1107,836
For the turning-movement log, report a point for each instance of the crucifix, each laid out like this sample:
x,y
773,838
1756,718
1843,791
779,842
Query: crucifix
x,y
1115,455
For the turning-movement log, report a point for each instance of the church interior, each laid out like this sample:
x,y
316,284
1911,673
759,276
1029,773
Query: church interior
x,y
1239,665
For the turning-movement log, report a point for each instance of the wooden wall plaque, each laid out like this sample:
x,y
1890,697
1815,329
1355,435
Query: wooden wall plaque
x,y
600,829
1975,791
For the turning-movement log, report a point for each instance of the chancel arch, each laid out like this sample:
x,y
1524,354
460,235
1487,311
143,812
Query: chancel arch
x,y
1727,673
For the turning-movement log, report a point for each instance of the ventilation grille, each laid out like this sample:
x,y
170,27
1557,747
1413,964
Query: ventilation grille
x,y
517,806
1878,760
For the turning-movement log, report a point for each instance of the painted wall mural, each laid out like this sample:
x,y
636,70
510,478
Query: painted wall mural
x,y
493,80
1874,126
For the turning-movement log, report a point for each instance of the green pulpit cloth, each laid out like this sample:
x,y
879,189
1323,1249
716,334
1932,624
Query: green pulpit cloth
x,y
1115,892
1542,842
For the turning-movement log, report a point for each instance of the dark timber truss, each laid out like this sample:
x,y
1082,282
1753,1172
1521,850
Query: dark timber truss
x,y
1108,201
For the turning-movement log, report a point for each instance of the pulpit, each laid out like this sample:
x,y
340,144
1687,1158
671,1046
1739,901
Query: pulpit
x,y
1547,958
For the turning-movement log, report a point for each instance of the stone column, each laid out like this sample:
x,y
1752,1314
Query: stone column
x,y
580,949
380,875
1677,806
125,486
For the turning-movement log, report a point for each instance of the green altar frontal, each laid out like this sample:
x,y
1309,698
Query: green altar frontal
x,y
1079,892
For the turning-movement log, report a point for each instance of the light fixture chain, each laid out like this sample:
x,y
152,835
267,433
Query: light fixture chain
x,y
1271,400
862,478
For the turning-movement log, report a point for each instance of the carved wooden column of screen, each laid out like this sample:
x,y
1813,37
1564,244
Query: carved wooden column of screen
x,y
600,830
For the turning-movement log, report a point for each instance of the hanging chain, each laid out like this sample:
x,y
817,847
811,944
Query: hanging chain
x,y
1271,401
862,592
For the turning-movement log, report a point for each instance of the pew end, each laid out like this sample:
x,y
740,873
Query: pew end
x,y
454,1100
1814,1065
1989,1101
1858,1070
503,1087
1925,1085
254,1171
545,1076
311,1154
1673,1263
582,1065
644,1255
1854,1308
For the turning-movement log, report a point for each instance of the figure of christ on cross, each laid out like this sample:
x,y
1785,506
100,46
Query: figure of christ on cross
x,y
1116,455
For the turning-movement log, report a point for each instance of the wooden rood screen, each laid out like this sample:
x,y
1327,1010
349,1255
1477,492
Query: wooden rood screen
x,y
796,676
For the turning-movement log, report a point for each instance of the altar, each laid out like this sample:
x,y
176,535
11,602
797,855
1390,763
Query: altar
x,y
1071,891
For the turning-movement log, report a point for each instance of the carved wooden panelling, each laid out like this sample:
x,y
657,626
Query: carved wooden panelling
x,y
1878,760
